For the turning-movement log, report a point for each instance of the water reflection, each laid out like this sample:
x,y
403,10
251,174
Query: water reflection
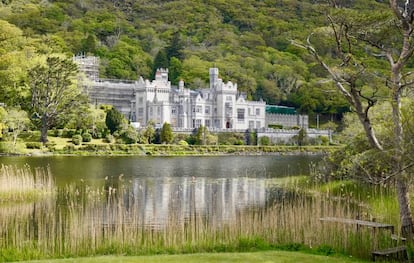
x,y
93,168
215,199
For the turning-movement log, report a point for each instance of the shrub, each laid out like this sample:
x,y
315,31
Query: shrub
x,y
109,138
276,126
86,137
69,148
58,132
230,138
183,143
68,133
76,139
33,145
264,140
51,145
324,140
129,135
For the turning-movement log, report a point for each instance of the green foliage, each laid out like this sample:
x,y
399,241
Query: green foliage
x,y
86,137
76,139
166,135
230,138
16,121
3,114
249,41
128,135
183,143
264,140
302,137
109,138
33,145
357,159
53,91
114,120
149,132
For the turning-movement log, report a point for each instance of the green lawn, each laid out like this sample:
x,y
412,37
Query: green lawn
x,y
255,257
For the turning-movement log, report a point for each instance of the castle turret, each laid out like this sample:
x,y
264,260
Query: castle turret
x,y
161,74
214,75
181,86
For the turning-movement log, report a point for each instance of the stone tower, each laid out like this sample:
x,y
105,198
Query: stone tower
x,y
214,75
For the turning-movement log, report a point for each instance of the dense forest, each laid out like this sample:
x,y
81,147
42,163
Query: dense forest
x,y
248,40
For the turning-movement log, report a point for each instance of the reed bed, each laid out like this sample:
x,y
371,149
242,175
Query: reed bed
x,y
23,184
84,221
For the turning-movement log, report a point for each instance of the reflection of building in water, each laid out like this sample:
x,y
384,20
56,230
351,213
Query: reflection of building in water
x,y
160,199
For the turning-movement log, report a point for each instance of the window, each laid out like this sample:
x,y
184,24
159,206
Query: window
x,y
257,111
229,98
159,111
258,124
207,110
240,114
198,123
207,123
140,100
173,110
251,124
250,111
199,109
217,123
140,112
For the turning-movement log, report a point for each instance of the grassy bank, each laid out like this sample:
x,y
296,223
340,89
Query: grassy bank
x,y
256,257
30,145
176,150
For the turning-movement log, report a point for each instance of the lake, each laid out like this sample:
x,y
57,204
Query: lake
x,y
93,168
144,204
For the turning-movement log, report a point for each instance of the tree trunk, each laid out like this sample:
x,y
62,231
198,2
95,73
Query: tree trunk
x,y
44,129
405,208
402,184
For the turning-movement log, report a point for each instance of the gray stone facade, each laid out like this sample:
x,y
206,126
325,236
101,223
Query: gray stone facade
x,y
218,107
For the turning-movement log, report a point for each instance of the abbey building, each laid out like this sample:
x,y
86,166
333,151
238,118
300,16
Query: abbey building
x,y
220,106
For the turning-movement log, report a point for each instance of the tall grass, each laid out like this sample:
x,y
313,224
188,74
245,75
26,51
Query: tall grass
x,y
82,221
23,184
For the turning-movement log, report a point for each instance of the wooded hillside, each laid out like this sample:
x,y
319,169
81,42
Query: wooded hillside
x,y
249,41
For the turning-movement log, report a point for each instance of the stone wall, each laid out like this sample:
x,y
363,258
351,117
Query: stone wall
x,y
278,136
287,120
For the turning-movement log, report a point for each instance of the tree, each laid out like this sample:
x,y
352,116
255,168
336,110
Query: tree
x,y
174,70
16,120
175,49
149,132
357,37
3,114
201,135
167,135
160,61
53,91
14,64
114,120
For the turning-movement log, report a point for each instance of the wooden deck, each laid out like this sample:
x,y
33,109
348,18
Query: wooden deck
x,y
395,254
357,222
